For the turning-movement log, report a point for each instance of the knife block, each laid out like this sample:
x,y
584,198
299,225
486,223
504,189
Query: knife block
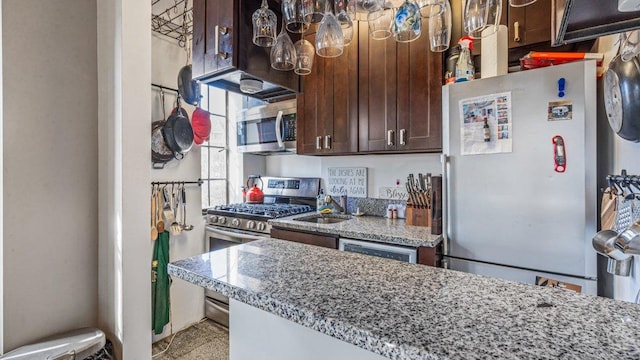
x,y
418,216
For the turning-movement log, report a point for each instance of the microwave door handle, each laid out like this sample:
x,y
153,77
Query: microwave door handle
x,y
279,130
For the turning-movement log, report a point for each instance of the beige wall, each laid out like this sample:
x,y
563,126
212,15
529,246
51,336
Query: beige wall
x,y
50,168
124,78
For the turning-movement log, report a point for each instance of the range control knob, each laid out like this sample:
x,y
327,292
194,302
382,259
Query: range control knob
x,y
213,219
251,224
235,222
261,226
222,219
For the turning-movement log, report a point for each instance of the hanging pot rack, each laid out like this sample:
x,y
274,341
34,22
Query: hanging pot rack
x,y
165,88
199,182
624,180
174,21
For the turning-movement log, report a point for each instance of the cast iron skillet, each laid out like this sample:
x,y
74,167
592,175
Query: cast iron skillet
x,y
178,132
160,153
622,97
188,88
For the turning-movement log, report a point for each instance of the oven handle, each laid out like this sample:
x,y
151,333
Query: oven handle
x,y
234,235
279,130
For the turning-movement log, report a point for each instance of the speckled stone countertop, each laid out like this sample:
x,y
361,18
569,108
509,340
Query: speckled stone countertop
x,y
407,311
372,228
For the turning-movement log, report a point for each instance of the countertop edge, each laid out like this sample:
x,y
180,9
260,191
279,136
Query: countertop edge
x,y
357,235
331,327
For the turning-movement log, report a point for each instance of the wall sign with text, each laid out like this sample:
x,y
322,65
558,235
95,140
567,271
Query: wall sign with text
x,y
393,193
350,181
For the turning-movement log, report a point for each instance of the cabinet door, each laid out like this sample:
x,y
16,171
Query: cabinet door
x,y
327,108
312,109
343,125
419,99
199,59
377,92
533,24
212,36
227,31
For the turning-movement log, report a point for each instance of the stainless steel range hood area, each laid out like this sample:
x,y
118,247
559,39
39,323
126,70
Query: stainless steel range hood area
x,y
578,20
232,82
230,57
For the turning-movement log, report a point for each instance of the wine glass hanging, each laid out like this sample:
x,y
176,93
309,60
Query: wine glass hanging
x,y
334,20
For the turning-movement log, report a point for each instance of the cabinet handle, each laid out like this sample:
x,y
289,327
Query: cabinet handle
x,y
391,138
220,30
318,142
327,142
516,31
403,137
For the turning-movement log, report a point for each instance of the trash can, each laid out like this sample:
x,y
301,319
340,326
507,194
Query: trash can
x,y
78,344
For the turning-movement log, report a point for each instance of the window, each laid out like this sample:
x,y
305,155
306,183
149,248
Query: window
x,y
214,169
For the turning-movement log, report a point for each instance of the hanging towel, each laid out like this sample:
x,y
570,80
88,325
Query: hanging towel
x,y
160,283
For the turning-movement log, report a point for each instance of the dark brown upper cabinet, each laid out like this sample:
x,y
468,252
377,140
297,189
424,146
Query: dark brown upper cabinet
x,y
327,120
223,49
529,24
400,95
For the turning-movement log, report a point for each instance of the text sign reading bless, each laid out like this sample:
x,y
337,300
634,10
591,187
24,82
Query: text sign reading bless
x,y
348,181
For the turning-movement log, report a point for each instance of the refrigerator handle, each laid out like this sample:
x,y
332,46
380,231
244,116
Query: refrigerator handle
x,y
444,159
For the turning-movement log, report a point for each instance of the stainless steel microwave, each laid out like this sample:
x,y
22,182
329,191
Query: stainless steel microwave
x,y
268,128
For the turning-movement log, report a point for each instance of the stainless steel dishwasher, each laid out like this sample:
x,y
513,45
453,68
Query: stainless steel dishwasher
x,y
387,251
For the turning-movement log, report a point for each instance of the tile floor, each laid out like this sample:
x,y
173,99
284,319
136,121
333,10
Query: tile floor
x,y
204,340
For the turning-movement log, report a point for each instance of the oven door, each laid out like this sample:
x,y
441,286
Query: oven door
x,y
216,238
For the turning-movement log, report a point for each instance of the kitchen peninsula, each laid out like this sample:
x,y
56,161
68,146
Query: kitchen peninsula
x,y
317,303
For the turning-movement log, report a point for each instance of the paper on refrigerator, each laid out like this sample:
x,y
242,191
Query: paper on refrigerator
x,y
496,110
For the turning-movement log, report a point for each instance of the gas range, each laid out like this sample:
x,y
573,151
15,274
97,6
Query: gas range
x,y
252,217
282,197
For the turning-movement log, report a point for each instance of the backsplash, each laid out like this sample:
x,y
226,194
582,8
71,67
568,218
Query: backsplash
x,y
369,206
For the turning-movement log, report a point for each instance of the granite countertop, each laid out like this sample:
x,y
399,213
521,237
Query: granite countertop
x,y
407,311
392,231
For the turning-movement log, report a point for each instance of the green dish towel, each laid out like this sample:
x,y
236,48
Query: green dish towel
x,y
160,283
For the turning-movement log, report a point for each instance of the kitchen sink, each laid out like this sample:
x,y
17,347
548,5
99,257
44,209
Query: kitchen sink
x,y
324,218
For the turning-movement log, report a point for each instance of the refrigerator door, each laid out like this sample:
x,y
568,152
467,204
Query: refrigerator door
x,y
514,208
523,276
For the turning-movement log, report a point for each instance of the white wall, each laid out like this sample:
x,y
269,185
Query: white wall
x,y
187,301
240,165
383,170
50,168
124,78
1,199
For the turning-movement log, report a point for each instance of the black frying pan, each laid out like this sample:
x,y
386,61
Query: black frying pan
x,y
178,133
188,88
622,97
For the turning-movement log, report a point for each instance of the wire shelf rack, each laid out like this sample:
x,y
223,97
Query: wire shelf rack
x,y
174,19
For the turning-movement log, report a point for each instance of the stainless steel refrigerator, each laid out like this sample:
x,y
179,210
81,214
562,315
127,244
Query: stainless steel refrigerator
x,y
521,177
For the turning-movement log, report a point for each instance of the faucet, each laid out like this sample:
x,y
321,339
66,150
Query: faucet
x,y
618,248
331,201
